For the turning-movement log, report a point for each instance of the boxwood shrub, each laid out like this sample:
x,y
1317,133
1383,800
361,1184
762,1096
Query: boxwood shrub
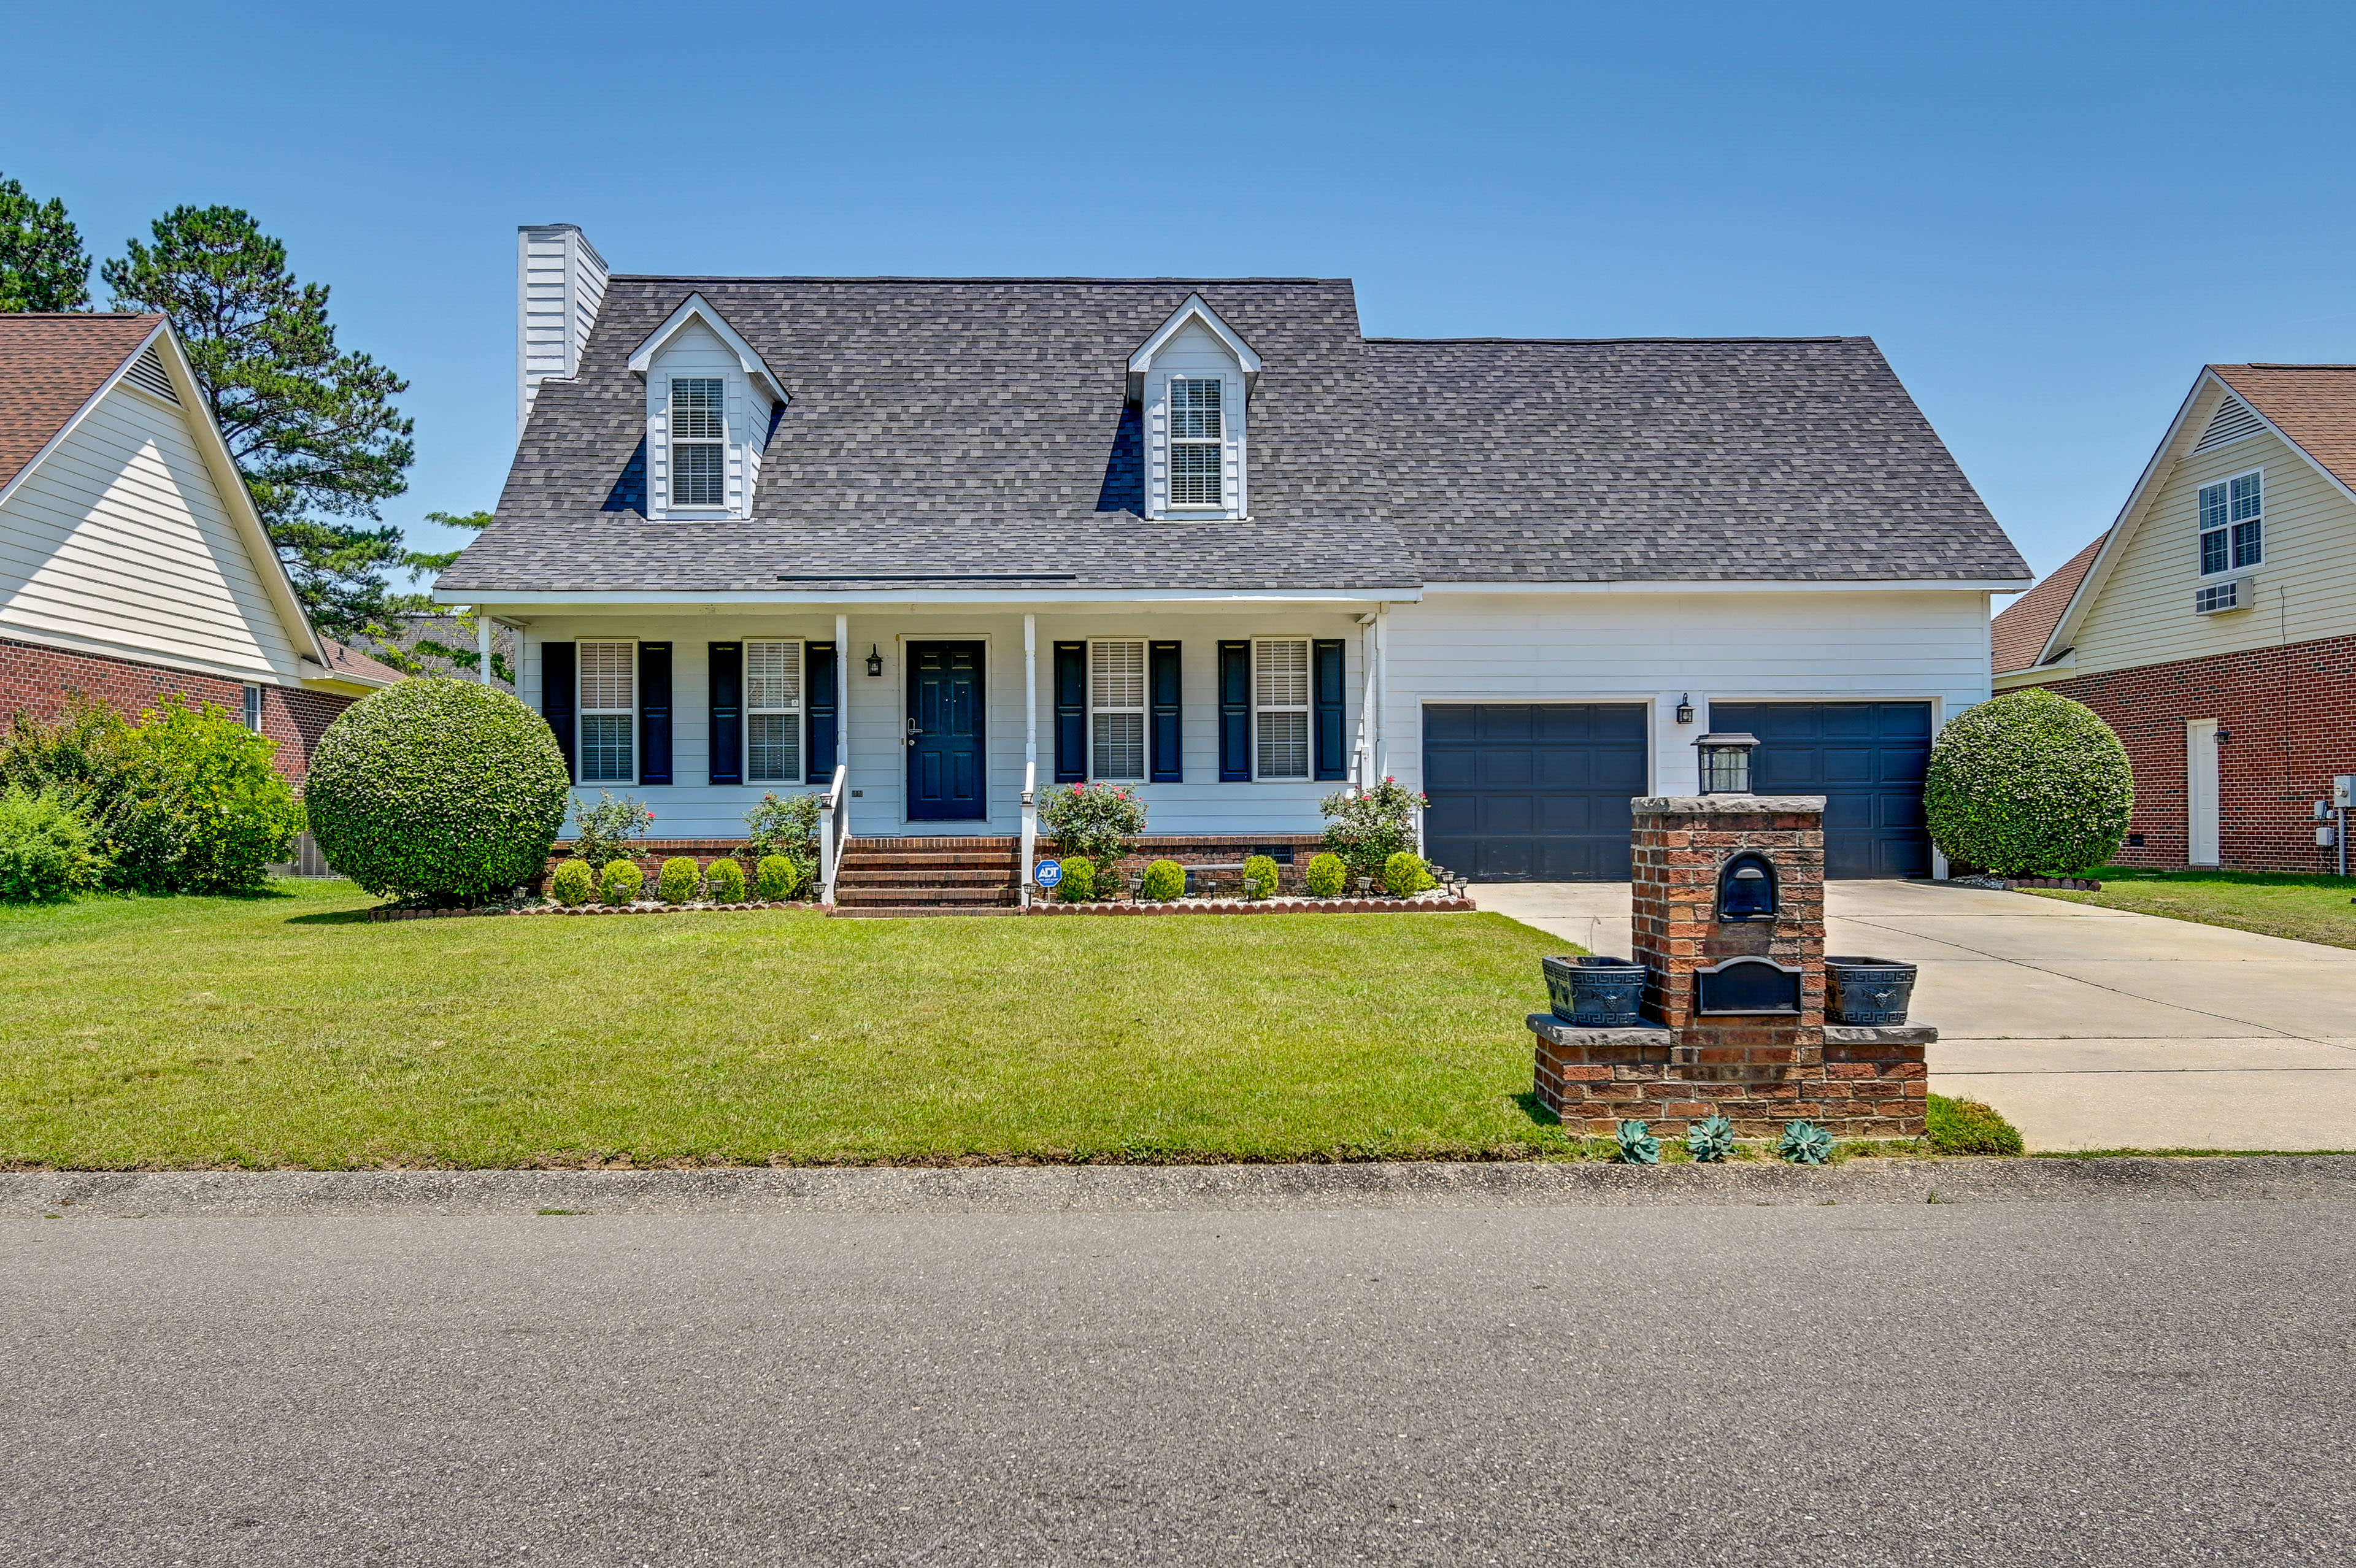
x,y
1405,875
2029,784
724,883
676,883
574,883
1165,881
437,791
1260,877
621,883
1080,883
777,878
1326,876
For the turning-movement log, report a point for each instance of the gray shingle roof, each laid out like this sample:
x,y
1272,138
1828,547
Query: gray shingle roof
x,y
979,426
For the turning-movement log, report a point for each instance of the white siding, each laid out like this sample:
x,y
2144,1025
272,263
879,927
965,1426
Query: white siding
x,y
119,542
560,280
1194,350
2305,590
696,350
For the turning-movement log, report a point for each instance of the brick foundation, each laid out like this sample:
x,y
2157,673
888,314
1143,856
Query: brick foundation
x,y
37,680
1856,1082
2291,714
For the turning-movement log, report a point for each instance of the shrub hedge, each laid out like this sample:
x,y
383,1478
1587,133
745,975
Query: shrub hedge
x,y
437,791
574,883
45,849
1165,881
723,882
2029,784
1326,876
620,882
1080,883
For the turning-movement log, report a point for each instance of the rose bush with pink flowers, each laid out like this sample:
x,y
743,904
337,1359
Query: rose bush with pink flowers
x,y
1367,827
1095,821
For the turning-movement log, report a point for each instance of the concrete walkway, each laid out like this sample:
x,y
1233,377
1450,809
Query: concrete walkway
x,y
2088,1027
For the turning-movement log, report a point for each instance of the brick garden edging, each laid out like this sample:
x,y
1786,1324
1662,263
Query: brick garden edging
x,y
389,913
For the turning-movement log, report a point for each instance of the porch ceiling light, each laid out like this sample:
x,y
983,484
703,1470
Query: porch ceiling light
x,y
1726,763
874,659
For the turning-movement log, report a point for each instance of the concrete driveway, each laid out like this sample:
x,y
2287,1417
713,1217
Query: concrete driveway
x,y
2088,1027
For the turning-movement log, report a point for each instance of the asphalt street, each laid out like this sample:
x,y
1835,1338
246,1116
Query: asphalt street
x,y
2150,1382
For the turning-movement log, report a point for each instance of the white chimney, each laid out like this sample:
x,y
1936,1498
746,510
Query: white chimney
x,y
559,279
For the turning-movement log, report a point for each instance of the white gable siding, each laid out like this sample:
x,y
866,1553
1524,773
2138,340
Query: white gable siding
x,y
1194,351
560,282
119,543
2305,590
696,350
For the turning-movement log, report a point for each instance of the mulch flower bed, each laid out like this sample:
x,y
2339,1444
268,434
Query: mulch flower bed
x,y
2013,884
391,911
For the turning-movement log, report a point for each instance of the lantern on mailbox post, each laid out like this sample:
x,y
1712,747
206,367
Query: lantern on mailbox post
x,y
1726,763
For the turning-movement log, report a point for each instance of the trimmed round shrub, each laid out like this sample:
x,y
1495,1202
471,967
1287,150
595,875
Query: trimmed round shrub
x,y
620,882
2029,784
437,791
574,883
776,877
1326,875
45,848
1260,877
676,883
724,882
1405,875
1080,883
1165,881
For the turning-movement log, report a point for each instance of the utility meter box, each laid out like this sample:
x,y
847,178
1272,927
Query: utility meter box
x,y
2343,791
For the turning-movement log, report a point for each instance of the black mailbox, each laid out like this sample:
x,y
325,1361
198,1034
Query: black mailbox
x,y
1746,890
1748,986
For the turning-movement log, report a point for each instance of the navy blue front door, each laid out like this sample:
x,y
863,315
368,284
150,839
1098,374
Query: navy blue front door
x,y
945,732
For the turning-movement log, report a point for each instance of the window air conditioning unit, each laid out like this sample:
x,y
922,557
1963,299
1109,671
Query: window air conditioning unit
x,y
2216,597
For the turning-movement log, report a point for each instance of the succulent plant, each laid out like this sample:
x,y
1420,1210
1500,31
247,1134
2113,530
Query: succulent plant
x,y
1710,1140
1637,1143
1804,1143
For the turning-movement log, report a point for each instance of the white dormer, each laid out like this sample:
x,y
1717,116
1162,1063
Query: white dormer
x,y
1193,382
711,401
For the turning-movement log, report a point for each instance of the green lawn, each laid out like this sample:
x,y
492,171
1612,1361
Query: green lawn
x,y
2306,907
284,1031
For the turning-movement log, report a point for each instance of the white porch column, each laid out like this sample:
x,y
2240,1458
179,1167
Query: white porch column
x,y
842,691
1382,692
1362,756
1030,755
483,642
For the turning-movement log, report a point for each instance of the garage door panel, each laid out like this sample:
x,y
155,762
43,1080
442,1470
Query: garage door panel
x,y
1866,759
1451,724
1507,814
1502,768
1545,796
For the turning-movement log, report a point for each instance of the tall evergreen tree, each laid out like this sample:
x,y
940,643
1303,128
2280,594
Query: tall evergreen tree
x,y
314,430
42,263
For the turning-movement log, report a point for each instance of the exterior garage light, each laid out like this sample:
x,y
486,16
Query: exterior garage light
x,y
1726,763
1685,709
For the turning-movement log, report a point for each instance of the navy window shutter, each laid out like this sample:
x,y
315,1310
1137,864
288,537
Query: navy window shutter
x,y
1235,712
727,662
1326,665
654,713
1071,712
1162,694
821,697
558,701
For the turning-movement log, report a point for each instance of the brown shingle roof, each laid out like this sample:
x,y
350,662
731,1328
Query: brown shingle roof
x,y
344,659
50,365
2017,635
2315,405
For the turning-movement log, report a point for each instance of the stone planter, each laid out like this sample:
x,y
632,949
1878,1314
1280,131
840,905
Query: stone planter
x,y
1594,993
1873,991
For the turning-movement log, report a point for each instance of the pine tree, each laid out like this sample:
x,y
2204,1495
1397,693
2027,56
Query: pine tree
x,y
314,430
42,263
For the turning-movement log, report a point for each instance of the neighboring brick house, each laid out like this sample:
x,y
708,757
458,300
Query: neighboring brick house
x,y
133,566
2213,625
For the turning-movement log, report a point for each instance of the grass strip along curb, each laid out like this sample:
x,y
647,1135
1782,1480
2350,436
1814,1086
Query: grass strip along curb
x,y
1115,1188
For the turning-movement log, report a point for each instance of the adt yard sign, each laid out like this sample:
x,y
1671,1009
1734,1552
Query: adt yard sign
x,y
1048,873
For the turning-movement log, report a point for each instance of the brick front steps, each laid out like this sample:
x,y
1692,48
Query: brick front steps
x,y
947,875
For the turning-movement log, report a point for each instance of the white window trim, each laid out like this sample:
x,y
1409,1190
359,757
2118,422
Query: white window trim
x,y
2202,530
673,441
1307,710
1171,442
582,712
253,710
1143,709
797,662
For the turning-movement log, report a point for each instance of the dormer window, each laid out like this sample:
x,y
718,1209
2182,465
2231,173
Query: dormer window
x,y
1198,443
699,442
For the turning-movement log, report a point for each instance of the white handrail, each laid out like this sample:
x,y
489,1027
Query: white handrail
x,y
834,831
1030,832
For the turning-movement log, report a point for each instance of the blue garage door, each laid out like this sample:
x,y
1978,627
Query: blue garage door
x,y
1532,791
1866,759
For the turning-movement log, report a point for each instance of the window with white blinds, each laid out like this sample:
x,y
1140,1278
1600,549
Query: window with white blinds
x,y
2232,523
1198,443
699,442
773,712
608,677
1280,708
1117,711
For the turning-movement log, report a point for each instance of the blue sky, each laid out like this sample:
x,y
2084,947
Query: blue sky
x,y
2049,216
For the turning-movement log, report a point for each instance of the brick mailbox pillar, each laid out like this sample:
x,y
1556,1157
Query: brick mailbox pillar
x,y
1729,922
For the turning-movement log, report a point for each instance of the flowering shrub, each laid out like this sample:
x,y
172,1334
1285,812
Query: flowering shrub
x,y
1367,827
1404,876
620,882
1093,821
1326,876
1080,883
787,827
438,791
573,883
724,883
2028,784
1165,881
603,833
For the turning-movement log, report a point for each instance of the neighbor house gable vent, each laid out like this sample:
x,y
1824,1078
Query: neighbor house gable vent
x,y
147,374
2234,421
